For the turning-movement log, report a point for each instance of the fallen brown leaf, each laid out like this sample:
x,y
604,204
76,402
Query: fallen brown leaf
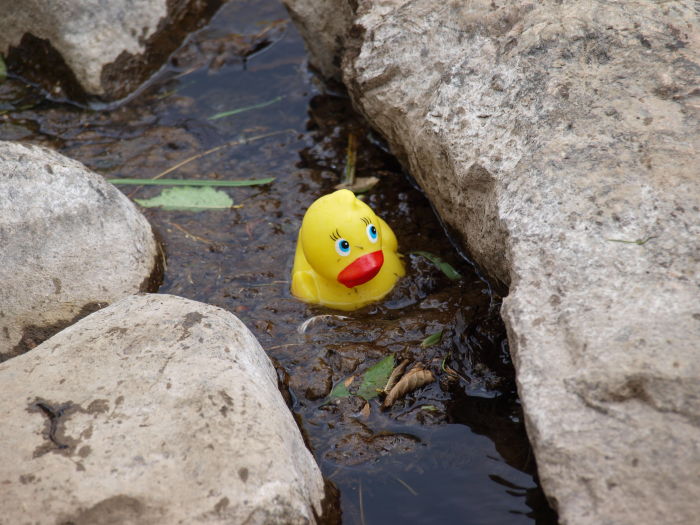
x,y
414,379
395,374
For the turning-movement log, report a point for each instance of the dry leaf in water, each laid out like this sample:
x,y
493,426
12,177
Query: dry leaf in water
x,y
366,410
414,379
360,185
395,374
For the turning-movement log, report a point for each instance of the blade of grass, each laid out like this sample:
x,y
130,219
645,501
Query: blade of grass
x,y
244,109
362,505
3,70
192,182
350,159
406,485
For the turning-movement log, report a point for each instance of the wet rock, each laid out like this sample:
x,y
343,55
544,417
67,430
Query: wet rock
x,y
71,244
560,140
107,49
156,409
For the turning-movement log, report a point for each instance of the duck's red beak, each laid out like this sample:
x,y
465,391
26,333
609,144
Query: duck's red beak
x,y
361,269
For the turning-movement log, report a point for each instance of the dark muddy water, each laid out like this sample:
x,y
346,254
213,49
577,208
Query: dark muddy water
x,y
452,452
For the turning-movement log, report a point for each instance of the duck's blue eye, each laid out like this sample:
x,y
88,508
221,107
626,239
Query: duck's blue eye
x,y
342,247
372,234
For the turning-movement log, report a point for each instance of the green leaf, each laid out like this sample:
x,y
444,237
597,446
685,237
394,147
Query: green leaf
x,y
432,339
189,199
340,390
376,377
3,70
443,266
244,109
373,380
192,182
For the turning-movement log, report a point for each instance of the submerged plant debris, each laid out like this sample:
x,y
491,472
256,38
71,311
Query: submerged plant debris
x,y
415,378
432,339
371,383
444,266
449,448
187,198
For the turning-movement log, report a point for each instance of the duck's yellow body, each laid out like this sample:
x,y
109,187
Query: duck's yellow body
x,y
346,256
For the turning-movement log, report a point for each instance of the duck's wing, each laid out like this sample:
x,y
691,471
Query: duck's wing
x,y
389,241
303,283
304,287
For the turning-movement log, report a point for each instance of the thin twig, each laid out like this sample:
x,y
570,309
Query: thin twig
x,y
284,346
408,487
217,148
191,235
362,507
350,159
213,150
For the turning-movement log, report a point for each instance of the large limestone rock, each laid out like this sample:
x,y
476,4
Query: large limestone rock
x,y
100,48
71,243
155,410
547,133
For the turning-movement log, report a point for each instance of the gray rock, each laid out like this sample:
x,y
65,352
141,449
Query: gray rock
x,y
71,243
546,133
155,410
95,47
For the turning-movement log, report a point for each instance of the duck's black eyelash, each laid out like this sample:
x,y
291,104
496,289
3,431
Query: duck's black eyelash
x,y
335,235
366,220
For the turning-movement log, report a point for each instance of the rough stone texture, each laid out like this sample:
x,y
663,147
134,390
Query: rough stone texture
x,y
71,243
543,132
97,47
155,410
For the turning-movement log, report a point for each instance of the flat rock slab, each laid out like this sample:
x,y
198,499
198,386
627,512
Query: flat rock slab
x,y
93,47
561,140
155,410
71,244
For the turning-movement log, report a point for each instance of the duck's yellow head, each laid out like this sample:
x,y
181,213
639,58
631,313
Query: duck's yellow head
x,y
342,239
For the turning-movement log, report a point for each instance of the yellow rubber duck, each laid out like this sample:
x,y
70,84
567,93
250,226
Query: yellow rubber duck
x,y
346,256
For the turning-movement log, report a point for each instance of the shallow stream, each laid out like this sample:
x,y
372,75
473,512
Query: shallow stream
x,y
454,451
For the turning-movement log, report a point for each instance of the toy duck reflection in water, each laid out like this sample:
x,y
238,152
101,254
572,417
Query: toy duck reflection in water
x,y
346,256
